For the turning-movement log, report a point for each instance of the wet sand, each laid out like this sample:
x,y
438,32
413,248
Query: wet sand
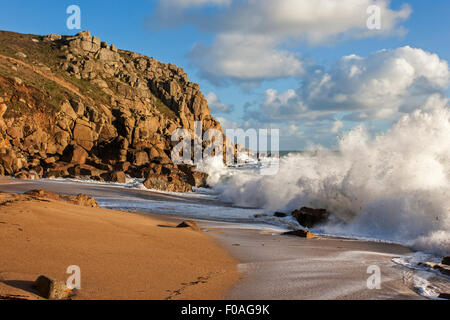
x,y
281,267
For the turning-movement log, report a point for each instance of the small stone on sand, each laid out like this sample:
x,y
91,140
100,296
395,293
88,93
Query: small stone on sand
x,y
52,289
301,233
189,224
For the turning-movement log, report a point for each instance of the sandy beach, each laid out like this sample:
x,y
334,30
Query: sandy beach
x,y
121,255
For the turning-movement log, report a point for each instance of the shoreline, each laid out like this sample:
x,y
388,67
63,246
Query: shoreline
x,y
273,266
280,267
95,189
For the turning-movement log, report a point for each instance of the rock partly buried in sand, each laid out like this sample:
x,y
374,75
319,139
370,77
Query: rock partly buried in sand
x,y
52,289
84,200
42,194
189,224
301,233
436,266
280,215
444,296
446,261
81,199
173,182
309,217
443,269
259,216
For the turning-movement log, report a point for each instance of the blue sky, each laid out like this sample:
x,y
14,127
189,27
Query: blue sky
x,y
262,74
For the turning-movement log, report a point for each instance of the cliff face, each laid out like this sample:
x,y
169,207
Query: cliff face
x,y
79,107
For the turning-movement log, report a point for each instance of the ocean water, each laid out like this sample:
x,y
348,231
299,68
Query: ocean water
x,y
392,187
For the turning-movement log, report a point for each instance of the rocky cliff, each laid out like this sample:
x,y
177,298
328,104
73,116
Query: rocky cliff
x,y
74,106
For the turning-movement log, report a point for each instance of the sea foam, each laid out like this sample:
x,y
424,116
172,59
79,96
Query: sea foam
x,y
394,186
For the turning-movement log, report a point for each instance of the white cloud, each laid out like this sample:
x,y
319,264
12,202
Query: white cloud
x,y
380,86
251,36
227,124
292,130
216,105
244,58
436,101
337,126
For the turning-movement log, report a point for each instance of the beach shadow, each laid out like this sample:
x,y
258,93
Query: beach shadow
x,y
22,285
166,226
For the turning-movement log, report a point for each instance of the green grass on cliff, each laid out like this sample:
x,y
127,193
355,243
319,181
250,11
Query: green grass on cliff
x,y
41,54
48,54
44,52
163,109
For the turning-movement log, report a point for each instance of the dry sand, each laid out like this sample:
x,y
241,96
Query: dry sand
x,y
121,255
